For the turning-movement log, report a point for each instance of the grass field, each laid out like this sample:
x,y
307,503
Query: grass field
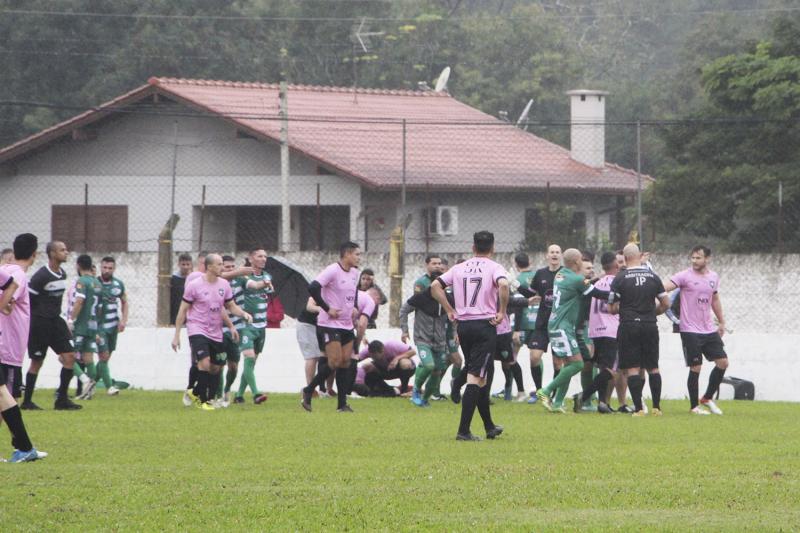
x,y
142,462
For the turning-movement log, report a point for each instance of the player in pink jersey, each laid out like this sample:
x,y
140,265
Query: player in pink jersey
x,y
699,297
15,321
480,292
335,291
366,306
389,360
205,302
603,332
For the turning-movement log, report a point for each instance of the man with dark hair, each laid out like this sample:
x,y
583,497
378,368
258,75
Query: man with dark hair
x,y
525,327
230,337
585,342
48,328
82,321
335,291
603,328
112,319
633,295
480,292
699,298
366,283
388,360
176,284
542,286
14,329
207,301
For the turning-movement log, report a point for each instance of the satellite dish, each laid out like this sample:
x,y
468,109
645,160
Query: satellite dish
x,y
441,82
523,117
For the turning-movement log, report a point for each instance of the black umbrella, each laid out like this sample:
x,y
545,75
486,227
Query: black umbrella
x,y
290,283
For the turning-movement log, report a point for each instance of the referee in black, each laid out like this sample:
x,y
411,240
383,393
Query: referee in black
x,y
638,295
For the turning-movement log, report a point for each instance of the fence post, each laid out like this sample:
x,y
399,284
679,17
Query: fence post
x,y
165,270
202,218
396,251
85,217
639,184
286,220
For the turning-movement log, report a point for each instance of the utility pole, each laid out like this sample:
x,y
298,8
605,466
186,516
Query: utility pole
x,y
286,220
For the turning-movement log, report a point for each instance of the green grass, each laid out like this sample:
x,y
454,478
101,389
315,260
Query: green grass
x,y
142,462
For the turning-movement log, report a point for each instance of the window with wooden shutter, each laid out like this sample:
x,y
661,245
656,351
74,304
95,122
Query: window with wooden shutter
x,y
102,228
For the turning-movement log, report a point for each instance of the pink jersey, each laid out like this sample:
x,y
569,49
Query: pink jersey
x,y
601,322
391,349
208,300
474,285
366,305
504,326
15,328
339,292
191,277
697,291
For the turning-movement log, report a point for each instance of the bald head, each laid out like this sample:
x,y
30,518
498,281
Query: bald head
x,y
572,258
633,256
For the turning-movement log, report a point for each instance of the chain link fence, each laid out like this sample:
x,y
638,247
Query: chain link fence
x,y
110,186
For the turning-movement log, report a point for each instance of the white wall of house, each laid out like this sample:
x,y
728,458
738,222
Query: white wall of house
x,y
129,162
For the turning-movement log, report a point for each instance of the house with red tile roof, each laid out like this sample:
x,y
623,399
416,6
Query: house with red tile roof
x,y
360,161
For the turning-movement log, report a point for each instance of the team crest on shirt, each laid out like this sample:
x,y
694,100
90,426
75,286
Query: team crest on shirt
x,y
221,292
713,284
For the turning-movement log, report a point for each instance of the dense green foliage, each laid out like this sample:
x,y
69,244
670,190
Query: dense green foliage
x,y
142,462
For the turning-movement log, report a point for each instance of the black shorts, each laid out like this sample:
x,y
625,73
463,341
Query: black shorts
x,y
504,348
50,333
328,335
605,352
539,339
478,339
203,347
231,349
11,377
638,345
697,345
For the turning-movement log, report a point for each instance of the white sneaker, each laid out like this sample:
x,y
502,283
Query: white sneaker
x,y
356,396
88,391
217,403
187,400
521,397
112,391
711,406
699,411
644,408
40,454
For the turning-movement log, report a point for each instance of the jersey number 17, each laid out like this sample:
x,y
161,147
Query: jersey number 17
x,y
472,281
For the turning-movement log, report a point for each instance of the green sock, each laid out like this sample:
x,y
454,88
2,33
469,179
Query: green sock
x,y
433,385
77,371
454,372
250,374
561,392
91,371
230,377
421,375
220,385
105,373
243,380
564,376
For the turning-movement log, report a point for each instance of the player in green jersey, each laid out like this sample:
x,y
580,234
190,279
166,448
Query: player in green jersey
x,y
112,319
584,341
256,288
230,337
525,327
569,288
82,321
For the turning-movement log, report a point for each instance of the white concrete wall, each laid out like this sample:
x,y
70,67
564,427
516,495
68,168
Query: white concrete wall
x,y
145,359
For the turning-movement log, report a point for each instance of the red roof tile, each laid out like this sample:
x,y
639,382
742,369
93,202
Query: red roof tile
x,y
449,145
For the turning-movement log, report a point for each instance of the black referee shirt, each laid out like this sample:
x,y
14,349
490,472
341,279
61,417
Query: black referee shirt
x,y
636,290
47,291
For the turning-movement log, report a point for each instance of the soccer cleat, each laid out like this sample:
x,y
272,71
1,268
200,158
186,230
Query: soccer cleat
x,y
544,400
305,402
711,406
88,390
65,404
494,432
699,411
438,397
345,409
588,407
521,397
467,437
656,412
216,403
644,408
112,391
238,399
418,400
226,397
604,409
625,409
205,406
533,398
355,396
30,406
639,414
261,398
25,457
576,403
187,399
415,396
455,395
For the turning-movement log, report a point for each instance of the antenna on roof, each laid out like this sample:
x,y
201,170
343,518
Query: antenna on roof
x,y
441,82
523,117
360,37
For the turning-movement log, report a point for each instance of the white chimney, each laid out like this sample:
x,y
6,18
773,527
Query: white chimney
x,y
587,127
